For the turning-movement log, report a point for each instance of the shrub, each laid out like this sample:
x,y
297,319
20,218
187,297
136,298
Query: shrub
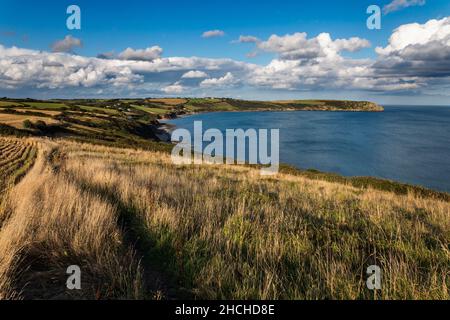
x,y
41,125
27,124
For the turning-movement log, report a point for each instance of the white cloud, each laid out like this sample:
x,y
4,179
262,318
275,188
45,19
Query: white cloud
x,y
417,34
175,88
67,44
396,5
298,46
30,68
417,57
24,68
417,50
226,80
148,54
194,74
213,33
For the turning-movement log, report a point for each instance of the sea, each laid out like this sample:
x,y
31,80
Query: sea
x,y
409,144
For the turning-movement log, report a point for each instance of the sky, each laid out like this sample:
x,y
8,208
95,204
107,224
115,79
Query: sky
x,y
265,50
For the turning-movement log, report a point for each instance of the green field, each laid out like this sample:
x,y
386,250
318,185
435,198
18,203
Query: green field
x,y
134,122
159,111
99,109
46,105
10,104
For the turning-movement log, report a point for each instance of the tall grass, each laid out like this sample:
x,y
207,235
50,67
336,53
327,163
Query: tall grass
x,y
227,232
213,231
54,224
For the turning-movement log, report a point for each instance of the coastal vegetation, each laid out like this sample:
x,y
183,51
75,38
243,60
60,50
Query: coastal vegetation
x,y
88,183
134,122
141,227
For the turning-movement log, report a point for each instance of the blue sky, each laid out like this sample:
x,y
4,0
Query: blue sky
x,y
177,27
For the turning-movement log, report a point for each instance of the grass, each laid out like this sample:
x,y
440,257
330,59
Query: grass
x,y
10,104
169,101
16,120
305,102
46,105
367,182
159,111
45,112
212,232
40,239
98,109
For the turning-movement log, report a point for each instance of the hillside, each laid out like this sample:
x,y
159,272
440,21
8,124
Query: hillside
x,y
133,121
141,227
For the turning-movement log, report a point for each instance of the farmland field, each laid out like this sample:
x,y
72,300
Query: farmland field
x,y
16,158
16,120
46,112
46,105
150,109
9,104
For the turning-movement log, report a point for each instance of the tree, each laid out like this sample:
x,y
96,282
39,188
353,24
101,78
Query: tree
x,y
27,124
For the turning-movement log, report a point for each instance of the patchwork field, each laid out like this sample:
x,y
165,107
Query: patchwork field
x,y
17,120
142,228
133,122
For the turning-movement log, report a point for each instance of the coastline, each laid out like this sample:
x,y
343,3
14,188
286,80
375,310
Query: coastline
x,y
384,184
167,128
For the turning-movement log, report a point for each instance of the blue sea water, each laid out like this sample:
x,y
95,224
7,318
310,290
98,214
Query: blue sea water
x,y
404,143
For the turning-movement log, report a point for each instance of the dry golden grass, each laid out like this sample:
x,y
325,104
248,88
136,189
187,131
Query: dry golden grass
x,y
48,112
53,224
16,120
216,231
168,101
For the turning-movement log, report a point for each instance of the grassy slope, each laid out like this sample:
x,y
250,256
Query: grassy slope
x,y
133,122
213,232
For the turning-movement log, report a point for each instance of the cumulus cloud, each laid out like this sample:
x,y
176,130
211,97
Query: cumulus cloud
x,y
417,57
225,81
24,68
213,33
67,44
417,50
396,5
298,46
248,39
194,74
30,68
309,63
148,54
175,88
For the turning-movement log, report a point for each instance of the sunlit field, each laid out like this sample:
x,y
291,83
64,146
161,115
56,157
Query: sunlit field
x,y
142,228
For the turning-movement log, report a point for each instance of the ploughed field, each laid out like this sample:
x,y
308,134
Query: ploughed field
x,y
16,156
141,227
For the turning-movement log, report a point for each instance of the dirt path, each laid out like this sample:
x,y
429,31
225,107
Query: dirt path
x,y
157,284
